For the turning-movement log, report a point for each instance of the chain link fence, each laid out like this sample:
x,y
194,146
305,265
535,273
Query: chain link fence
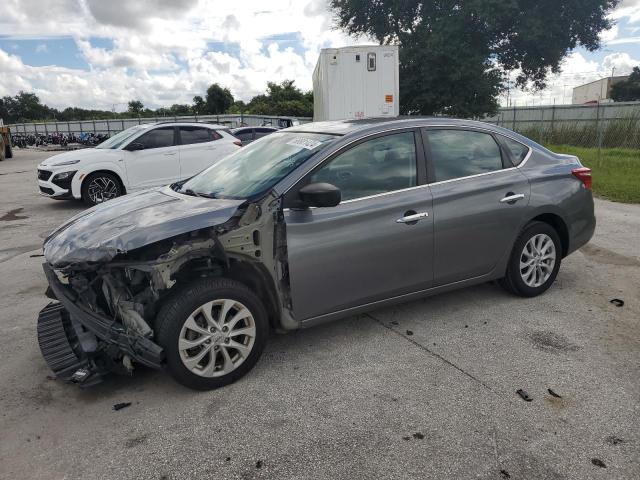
x,y
599,125
111,126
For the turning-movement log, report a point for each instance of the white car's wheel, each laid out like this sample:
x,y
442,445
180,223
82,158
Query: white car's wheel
x,y
100,187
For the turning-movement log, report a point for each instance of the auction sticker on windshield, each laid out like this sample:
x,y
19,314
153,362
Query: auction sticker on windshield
x,y
303,142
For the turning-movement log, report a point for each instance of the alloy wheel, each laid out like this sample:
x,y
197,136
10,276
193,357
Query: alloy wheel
x,y
102,189
217,338
537,260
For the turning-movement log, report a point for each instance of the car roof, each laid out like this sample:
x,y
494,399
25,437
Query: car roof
x,y
357,127
192,124
251,127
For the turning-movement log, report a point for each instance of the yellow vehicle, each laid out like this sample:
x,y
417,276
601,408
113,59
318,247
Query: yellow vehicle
x,y
5,143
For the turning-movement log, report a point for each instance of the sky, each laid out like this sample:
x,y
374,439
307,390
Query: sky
x,y
104,53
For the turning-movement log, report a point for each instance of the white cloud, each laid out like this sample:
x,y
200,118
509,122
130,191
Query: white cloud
x,y
576,70
41,48
161,51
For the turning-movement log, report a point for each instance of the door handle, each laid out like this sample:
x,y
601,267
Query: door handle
x,y
512,197
169,154
413,218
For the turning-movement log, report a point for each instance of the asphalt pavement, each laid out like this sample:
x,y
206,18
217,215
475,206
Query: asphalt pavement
x,y
422,390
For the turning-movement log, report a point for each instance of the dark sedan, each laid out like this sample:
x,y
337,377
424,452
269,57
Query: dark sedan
x,y
311,224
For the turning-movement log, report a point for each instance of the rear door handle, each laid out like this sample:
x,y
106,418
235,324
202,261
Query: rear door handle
x,y
413,218
512,197
169,154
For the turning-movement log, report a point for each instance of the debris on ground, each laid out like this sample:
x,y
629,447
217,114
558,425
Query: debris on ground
x,y
525,396
418,435
394,323
409,332
617,302
553,394
504,474
613,440
120,406
37,255
598,463
259,464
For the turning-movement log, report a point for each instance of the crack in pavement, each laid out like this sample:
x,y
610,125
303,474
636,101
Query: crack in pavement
x,y
11,173
432,353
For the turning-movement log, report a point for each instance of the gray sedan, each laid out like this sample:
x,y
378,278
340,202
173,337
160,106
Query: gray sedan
x,y
311,224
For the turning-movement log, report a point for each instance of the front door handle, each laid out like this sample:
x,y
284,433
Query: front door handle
x,y
169,154
512,198
412,218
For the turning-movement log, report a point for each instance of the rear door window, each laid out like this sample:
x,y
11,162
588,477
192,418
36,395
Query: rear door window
x,y
190,135
462,153
157,138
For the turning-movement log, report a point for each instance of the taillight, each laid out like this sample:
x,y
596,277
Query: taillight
x,y
237,142
584,175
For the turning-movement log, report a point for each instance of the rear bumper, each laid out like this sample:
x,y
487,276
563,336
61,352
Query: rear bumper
x,y
107,330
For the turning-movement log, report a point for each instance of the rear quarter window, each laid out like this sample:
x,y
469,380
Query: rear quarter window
x,y
518,150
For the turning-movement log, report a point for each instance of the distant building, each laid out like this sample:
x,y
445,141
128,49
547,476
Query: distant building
x,y
598,90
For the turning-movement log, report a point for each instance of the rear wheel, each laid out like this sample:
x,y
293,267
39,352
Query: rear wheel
x,y
534,262
213,332
100,187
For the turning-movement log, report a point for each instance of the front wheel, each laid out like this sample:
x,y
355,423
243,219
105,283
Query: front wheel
x,y
213,332
100,187
534,262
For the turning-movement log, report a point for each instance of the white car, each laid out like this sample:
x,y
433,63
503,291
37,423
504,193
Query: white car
x,y
140,157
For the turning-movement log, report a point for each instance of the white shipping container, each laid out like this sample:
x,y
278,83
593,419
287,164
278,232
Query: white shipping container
x,y
356,82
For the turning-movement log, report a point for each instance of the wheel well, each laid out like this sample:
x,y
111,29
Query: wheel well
x,y
257,278
559,226
111,172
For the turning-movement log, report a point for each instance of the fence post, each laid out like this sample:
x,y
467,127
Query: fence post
x,y
553,117
514,117
598,128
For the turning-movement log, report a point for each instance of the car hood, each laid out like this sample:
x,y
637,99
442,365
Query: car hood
x,y
130,222
84,154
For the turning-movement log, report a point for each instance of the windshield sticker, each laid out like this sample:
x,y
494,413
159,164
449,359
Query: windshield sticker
x,y
303,142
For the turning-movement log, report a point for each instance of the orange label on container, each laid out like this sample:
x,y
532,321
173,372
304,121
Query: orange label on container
x,y
388,98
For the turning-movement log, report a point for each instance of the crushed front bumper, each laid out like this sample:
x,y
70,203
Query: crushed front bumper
x,y
77,342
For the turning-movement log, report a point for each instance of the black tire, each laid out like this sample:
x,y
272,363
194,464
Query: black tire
x,y
513,281
9,152
182,303
103,178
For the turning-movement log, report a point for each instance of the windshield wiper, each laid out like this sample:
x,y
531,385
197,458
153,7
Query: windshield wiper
x,y
193,193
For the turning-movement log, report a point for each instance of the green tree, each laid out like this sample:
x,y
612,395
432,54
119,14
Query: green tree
x,y
199,105
283,99
238,107
627,90
180,109
218,99
135,107
453,53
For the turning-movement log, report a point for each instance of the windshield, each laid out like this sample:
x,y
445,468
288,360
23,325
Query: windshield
x,y
119,138
256,168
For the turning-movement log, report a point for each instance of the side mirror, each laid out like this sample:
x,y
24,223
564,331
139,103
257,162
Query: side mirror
x,y
133,146
320,195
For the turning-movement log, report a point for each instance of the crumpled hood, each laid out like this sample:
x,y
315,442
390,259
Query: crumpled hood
x,y
133,221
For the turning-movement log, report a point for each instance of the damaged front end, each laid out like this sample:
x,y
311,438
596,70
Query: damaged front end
x,y
110,296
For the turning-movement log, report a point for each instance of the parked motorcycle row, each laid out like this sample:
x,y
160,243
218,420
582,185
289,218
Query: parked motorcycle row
x,y
22,140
